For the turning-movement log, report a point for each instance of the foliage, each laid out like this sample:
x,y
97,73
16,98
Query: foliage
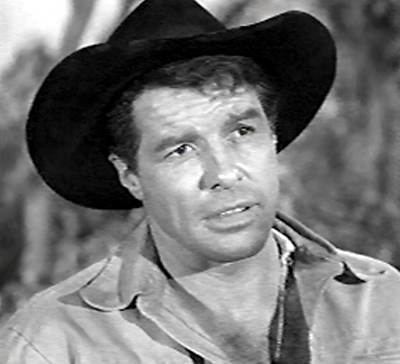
x,y
353,187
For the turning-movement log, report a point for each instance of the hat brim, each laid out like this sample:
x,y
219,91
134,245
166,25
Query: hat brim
x,y
66,125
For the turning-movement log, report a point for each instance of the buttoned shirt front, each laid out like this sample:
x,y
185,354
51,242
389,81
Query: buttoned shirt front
x,y
340,307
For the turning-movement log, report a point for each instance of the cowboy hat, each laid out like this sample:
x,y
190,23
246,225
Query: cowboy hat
x,y
65,129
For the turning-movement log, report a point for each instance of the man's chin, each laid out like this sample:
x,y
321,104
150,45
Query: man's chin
x,y
237,251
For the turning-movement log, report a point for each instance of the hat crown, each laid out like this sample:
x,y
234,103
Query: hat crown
x,y
156,19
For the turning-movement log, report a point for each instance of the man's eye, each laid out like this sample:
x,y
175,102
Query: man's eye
x,y
245,130
181,150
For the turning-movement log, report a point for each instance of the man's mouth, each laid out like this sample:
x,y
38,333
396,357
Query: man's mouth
x,y
232,218
233,211
225,210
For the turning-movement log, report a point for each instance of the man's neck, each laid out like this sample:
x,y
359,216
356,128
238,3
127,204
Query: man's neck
x,y
243,290
240,298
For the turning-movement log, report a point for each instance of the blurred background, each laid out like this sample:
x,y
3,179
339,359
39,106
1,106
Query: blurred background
x,y
341,177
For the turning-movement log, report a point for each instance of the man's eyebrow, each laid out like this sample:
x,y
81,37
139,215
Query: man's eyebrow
x,y
171,140
191,136
234,118
246,114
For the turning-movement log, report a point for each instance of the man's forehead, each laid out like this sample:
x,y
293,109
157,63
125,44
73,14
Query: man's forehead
x,y
169,102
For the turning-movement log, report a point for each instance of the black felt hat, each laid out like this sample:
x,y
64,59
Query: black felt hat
x,y
65,130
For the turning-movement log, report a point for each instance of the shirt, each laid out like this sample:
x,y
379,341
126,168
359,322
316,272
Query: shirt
x,y
335,307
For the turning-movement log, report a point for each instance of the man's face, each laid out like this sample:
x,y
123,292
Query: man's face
x,y
207,171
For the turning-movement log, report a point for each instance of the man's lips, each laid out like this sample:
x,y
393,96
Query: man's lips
x,y
232,218
229,210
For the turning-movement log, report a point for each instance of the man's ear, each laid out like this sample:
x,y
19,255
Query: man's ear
x,y
128,178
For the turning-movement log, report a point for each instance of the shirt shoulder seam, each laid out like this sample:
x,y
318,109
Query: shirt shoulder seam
x,y
31,344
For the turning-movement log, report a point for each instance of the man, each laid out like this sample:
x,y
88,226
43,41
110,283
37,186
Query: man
x,y
182,118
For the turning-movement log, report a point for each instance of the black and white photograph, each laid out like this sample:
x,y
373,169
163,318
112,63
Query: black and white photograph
x,y
199,182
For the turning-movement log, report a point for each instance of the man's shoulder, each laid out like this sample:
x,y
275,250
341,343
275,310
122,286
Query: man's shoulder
x,y
368,267
39,328
51,302
374,293
365,310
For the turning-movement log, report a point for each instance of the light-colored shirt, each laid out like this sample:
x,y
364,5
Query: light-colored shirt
x,y
338,307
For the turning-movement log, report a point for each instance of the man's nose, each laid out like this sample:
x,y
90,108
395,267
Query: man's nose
x,y
220,170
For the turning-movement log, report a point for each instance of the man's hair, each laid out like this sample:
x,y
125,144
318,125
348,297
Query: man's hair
x,y
202,74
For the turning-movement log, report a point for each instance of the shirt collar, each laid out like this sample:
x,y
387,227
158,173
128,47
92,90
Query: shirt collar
x,y
135,268
132,270
312,249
